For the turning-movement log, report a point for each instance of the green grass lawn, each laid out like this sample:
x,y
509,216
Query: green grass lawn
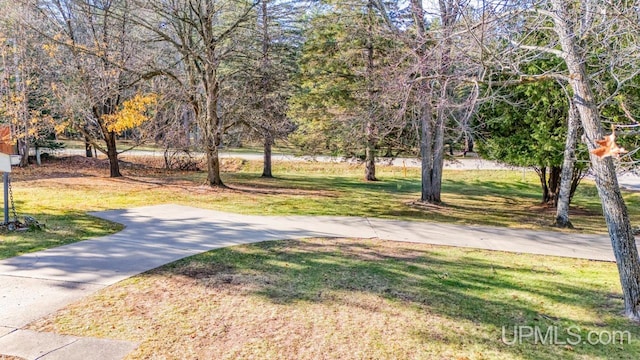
x,y
332,298
360,299
60,194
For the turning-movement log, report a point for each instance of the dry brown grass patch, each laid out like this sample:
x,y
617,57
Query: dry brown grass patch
x,y
347,299
216,311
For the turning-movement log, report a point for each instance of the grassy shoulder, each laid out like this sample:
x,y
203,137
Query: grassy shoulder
x,y
360,299
62,191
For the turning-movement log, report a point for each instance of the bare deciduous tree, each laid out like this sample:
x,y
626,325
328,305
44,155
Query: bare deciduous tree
x,y
94,44
566,20
444,80
24,68
199,35
598,43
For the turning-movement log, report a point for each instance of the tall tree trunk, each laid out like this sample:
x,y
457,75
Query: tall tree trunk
x,y
23,110
370,155
568,165
213,160
87,147
432,133
554,185
549,183
112,154
23,143
370,150
266,168
438,152
211,130
426,152
23,150
370,164
542,175
108,107
268,137
23,113
448,14
213,167
432,152
613,205
426,115
468,143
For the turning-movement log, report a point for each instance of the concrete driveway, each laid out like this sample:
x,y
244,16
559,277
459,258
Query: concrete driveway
x,y
37,284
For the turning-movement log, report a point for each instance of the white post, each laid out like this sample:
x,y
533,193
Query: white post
x,y
5,167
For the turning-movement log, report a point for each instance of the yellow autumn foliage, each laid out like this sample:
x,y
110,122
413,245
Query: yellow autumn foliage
x,y
60,127
134,112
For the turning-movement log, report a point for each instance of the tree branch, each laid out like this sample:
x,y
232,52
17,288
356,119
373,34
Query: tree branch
x,y
543,49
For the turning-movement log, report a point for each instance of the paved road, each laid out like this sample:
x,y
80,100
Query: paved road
x,y
37,284
469,163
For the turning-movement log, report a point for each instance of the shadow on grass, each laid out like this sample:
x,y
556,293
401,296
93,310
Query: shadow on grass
x,y
329,183
493,188
500,201
60,229
478,294
475,191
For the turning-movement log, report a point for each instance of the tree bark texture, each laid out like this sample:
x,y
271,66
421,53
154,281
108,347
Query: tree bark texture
x,y
549,183
370,155
214,139
568,165
432,153
87,147
542,175
211,123
112,154
433,123
268,136
23,150
613,205
370,146
266,168
213,167
108,106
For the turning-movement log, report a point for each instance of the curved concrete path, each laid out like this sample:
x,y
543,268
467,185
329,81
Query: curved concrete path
x,y
37,284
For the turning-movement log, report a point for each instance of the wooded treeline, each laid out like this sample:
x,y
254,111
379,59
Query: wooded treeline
x,y
531,83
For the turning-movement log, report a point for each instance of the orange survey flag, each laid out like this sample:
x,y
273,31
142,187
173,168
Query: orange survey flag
x,y
608,147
